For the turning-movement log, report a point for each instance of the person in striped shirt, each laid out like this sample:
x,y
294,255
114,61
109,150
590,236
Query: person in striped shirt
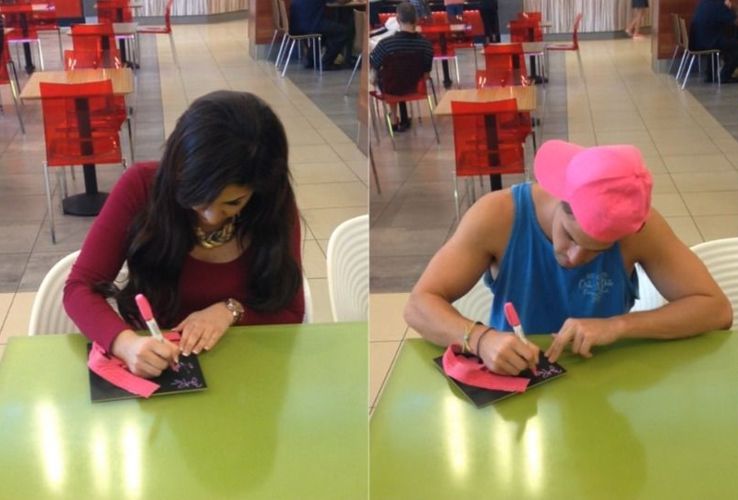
x,y
406,40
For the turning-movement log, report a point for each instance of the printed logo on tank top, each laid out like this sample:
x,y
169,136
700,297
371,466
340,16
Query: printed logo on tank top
x,y
595,286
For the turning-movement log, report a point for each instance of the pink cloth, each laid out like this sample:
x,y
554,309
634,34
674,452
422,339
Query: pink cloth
x,y
471,371
104,251
115,371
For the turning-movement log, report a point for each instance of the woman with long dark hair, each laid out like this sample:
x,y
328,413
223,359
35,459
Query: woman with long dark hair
x,y
211,237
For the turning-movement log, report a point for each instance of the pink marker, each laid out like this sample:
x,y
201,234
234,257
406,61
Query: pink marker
x,y
512,317
145,309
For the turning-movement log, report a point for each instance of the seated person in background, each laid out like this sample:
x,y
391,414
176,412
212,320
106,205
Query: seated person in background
x,y
407,41
422,11
563,252
210,234
308,16
454,10
713,27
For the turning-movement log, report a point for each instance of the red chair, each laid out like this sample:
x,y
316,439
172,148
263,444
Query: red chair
x,y
525,30
486,141
402,78
114,11
441,37
504,66
165,30
96,41
72,133
572,46
9,76
20,19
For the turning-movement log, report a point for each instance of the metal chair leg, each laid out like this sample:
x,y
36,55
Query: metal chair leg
x,y
48,202
289,56
430,109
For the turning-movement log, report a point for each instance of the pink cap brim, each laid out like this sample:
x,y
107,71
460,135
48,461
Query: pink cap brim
x,y
550,165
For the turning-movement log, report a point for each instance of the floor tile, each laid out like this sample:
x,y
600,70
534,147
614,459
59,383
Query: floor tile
x,y
381,358
385,311
18,316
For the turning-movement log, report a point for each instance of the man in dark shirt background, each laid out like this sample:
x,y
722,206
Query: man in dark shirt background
x,y
405,40
308,16
713,27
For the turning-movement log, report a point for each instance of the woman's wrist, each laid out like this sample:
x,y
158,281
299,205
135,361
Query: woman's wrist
x,y
121,342
235,310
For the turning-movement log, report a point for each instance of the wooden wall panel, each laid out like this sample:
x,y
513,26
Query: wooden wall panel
x,y
261,25
663,40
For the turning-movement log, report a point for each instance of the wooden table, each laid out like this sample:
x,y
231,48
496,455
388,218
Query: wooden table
x,y
91,201
641,419
284,416
525,97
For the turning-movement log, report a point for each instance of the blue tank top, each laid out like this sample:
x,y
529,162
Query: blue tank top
x,y
544,293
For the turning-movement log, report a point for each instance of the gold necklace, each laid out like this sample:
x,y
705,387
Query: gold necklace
x,y
218,237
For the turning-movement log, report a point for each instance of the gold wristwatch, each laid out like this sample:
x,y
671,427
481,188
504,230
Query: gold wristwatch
x,y
235,308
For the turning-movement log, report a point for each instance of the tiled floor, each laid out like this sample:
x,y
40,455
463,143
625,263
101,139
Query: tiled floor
x,y
688,141
329,171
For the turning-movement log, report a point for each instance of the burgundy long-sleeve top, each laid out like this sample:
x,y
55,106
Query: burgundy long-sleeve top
x,y
202,284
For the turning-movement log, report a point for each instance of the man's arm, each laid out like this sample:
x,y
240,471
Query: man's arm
x,y
696,303
480,238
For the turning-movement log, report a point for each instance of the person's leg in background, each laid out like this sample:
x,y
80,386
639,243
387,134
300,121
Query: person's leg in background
x,y
729,52
335,38
490,19
454,13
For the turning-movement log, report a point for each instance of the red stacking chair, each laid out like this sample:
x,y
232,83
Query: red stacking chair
x,y
97,40
401,79
571,46
20,18
165,30
441,37
114,11
525,30
73,134
504,66
9,76
486,140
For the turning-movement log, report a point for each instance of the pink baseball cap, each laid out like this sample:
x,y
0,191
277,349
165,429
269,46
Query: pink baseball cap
x,y
607,187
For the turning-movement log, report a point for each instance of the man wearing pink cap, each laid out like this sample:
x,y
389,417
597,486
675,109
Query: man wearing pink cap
x,y
563,251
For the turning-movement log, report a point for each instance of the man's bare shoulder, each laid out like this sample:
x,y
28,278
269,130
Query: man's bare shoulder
x,y
489,221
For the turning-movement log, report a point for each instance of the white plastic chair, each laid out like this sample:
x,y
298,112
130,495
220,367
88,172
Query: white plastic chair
x,y
47,313
721,258
348,270
477,303
308,318
649,297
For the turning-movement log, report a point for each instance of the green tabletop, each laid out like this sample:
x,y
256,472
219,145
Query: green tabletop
x,y
284,412
642,419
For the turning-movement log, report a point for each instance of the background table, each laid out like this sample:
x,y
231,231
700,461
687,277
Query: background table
x,y
525,97
641,419
284,416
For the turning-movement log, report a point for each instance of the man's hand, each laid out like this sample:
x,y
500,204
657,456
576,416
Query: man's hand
x,y
506,354
582,334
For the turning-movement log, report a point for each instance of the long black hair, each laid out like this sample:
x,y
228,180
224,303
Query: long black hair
x,y
223,138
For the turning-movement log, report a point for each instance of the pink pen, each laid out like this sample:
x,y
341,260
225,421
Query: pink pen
x,y
512,317
145,309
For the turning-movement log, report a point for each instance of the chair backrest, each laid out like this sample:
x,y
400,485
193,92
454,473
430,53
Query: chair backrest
x,y
276,16
114,11
684,34
575,33
525,30
648,297
308,317
487,139
477,303
94,38
47,312
19,17
348,270
67,114
504,66
677,30
402,72
721,258
168,15
4,62
283,17
359,28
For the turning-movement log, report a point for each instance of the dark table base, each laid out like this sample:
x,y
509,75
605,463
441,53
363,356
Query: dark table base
x,y
84,204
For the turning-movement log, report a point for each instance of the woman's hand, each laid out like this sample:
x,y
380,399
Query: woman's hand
x,y
583,335
506,354
145,356
203,329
